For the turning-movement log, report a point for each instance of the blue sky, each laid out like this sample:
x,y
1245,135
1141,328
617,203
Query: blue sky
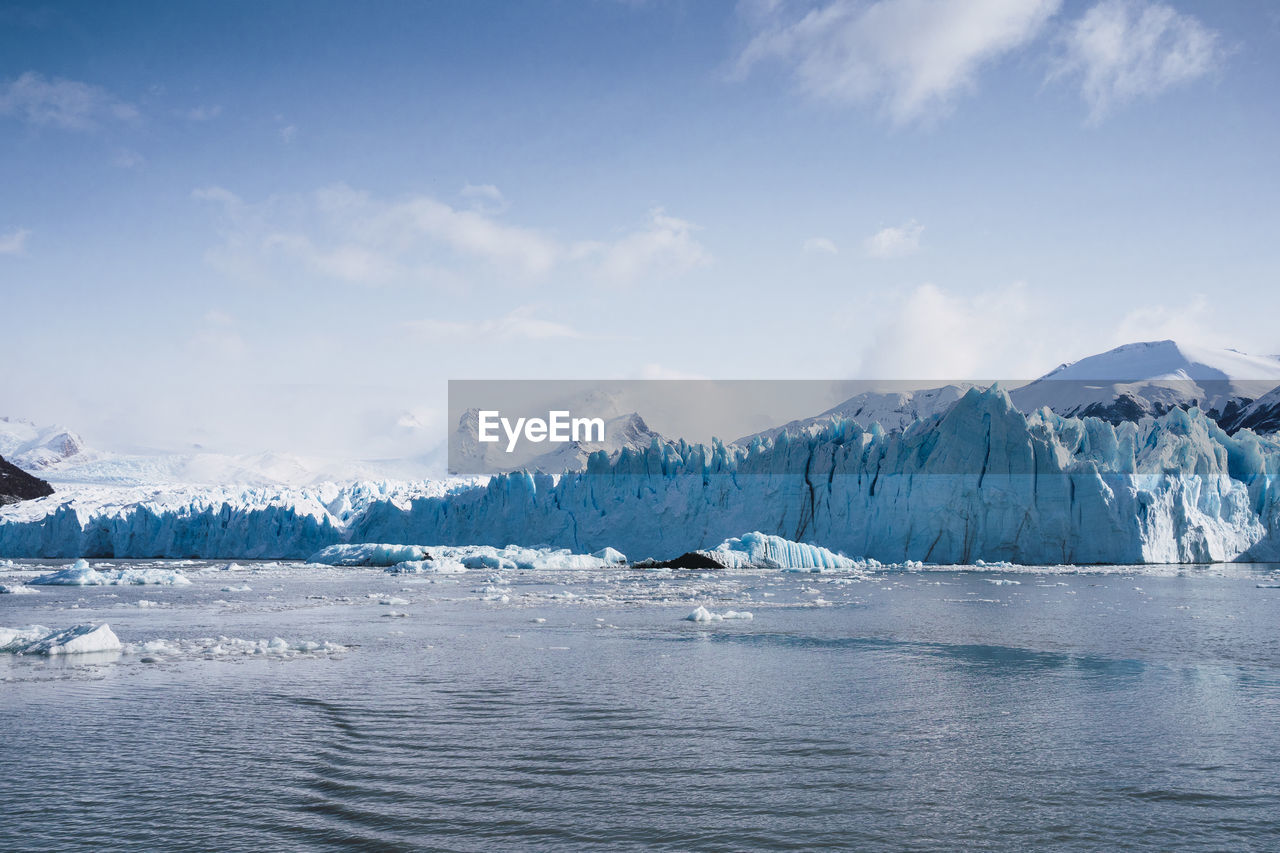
x,y
286,225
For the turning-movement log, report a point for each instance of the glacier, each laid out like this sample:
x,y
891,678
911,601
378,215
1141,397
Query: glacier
x,y
979,481
982,481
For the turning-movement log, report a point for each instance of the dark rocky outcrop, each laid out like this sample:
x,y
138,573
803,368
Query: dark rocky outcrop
x,y
17,485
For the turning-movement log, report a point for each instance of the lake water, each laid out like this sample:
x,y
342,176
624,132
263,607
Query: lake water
x,y
934,710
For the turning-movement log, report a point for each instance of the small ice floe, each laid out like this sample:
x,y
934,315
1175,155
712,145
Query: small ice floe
x,y
1003,582
393,600
439,566
232,567
394,614
1259,586
39,640
241,588
538,620
145,603
17,589
220,647
998,564
80,574
702,614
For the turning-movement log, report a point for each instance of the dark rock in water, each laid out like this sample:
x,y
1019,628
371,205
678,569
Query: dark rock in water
x,y
17,485
693,560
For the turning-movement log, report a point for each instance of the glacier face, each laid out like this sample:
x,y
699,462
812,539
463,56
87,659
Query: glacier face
x,y
981,481
181,521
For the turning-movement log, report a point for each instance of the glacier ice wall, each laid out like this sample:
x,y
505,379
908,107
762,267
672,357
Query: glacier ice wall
x,y
981,481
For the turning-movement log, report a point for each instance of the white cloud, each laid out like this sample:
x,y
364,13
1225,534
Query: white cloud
x,y
1187,323
204,113
819,245
67,104
126,158
520,324
665,247
217,338
895,242
474,233
485,197
15,242
934,334
1126,49
653,370
910,56
288,132
345,234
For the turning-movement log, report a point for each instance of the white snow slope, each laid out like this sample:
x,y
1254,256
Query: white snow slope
x,y
36,449
1155,376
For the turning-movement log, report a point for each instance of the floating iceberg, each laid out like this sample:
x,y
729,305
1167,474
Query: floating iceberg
x,y
761,551
39,640
368,555
702,614
418,567
416,559
16,589
80,574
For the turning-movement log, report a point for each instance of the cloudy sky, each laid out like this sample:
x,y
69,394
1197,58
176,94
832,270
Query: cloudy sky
x,y
286,225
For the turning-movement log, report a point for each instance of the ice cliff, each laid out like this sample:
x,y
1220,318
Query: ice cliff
x,y
980,481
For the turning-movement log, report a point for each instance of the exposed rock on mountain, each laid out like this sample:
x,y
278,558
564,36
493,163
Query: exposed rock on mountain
x,y
17,485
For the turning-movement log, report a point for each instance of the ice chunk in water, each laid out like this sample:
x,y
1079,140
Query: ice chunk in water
x,y
39,640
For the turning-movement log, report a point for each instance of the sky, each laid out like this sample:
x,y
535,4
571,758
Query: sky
x,y
286,225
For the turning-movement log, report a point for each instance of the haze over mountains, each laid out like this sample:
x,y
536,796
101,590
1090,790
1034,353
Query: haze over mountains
x,y
1143,481
1127,383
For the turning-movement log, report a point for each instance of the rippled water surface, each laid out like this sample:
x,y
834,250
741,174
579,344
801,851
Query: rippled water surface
x,y
932,710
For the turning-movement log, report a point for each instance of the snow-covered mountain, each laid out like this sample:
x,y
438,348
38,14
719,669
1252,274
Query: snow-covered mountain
x,y
1261,416
34,448
893,410
1127,383
1141,379
623,429
61,457
218,469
